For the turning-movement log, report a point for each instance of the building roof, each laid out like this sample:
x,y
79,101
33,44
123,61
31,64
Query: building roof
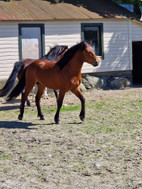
x,y
44,10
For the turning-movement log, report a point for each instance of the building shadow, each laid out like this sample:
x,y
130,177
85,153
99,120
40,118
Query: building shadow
x,y
104,8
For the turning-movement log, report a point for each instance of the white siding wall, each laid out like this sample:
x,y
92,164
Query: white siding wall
x,y
136,31
8,48
117,42
116,49
62,33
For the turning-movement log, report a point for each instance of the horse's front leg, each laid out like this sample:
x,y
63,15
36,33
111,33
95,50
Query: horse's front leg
x,y
59,105
78,93
28,102
56,95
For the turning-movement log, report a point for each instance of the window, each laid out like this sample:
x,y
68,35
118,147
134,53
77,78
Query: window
x,y
31,41
93,32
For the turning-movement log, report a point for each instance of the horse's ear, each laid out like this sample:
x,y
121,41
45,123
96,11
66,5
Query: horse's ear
x,y
84,44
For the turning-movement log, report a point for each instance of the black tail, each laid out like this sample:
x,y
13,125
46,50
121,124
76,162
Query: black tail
x,y
11,80
19,87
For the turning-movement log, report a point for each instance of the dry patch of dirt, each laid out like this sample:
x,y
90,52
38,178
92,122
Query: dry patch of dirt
x,y
104,152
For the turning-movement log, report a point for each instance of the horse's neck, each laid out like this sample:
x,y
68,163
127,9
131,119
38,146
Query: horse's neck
x,y
75,64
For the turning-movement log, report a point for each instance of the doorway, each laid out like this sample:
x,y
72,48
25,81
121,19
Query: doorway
x,y
137,63
31,41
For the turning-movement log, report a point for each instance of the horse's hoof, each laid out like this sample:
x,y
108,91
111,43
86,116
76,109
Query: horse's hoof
x,y
42,118
82,115
57,121
82,118
20,117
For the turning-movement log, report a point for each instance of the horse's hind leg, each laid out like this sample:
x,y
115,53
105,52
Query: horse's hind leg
x,y
78,93
22,105
23,99
59,105
37,100
28,102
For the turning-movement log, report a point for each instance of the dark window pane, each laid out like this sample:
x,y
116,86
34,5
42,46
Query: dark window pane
x,y
92,33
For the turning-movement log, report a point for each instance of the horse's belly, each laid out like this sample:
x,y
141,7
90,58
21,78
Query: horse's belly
x,y
52,83
59,81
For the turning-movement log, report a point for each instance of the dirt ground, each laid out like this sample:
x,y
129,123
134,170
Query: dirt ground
x,y
104,152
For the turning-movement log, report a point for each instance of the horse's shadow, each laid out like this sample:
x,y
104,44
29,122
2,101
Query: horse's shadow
x,y
16,125
6,108
75,122
10,105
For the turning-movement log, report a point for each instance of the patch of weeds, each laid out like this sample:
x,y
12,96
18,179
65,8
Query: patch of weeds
x,y
78,167
90,129
109,149
130,150
6,170
99,106
117,107
63,109
138,102
5,156
28,175
70,108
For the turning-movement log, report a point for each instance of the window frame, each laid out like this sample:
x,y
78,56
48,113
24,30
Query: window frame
x,y
41,26
100,28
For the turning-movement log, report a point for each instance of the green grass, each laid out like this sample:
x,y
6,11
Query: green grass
x,y
5,156
63,109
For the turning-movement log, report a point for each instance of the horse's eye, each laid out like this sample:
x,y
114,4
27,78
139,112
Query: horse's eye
x,y
86,51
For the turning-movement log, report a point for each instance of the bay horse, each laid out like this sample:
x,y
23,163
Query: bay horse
x,y
64,75
54,55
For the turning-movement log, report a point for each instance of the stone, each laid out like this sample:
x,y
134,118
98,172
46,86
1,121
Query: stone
x,y
91,82
82,87
120,83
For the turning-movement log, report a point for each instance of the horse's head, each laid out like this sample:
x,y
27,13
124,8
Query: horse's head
x,y
89,55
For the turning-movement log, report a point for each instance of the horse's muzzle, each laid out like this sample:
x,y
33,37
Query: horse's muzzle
x,y
96,62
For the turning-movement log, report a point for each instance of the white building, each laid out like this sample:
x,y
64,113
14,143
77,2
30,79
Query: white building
x,y
29,27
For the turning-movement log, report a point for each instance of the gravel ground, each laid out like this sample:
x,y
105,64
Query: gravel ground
x,y
103,152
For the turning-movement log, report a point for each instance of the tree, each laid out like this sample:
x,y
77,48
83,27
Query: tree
x,y
136,3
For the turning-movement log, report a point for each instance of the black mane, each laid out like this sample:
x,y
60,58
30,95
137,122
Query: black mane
x,y
54,52
70,53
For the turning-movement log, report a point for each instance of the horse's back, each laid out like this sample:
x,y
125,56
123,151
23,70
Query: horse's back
x,y
41,69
